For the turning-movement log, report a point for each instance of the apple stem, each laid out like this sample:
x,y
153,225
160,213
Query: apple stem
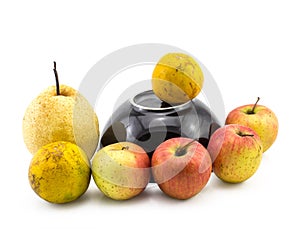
x,y
245,135
125,148
182,150
56,79
252,111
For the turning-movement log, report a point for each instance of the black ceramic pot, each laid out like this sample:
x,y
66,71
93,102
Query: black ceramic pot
x,y
147,121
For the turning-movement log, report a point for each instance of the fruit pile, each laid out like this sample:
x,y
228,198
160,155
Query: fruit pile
x,y
61,130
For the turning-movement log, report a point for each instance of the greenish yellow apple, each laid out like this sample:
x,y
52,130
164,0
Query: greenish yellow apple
x,y
59,172
177,78
259,118
236,152
121,170
60,113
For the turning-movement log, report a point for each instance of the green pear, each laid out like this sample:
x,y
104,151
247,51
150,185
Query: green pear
x,y
60,113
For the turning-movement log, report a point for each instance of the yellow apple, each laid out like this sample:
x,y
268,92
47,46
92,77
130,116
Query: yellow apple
x,y
259,118
121,170
236,152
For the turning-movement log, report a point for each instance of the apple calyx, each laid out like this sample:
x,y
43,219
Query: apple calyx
x,y
253,108
56,79
181,151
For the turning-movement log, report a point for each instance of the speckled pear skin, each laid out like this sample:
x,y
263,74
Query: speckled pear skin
x,y
65,117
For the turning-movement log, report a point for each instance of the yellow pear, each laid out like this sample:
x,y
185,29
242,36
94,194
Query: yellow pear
x,y
177,78
59,172
60,113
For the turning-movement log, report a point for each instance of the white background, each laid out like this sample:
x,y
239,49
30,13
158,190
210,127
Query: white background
x,y
250,47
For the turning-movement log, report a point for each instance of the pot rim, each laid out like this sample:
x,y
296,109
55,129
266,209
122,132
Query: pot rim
x,y
146,108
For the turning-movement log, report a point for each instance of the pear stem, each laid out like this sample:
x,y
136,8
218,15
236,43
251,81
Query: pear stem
x,y
56,79
182,150
252,111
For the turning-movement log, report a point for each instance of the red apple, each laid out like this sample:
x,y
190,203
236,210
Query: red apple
x,y
181,167
236,152
259,118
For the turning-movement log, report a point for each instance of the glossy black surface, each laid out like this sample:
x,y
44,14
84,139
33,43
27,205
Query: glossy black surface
x,y
147,121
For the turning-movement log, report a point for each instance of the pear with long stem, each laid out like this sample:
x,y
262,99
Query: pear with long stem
x,y
60,113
